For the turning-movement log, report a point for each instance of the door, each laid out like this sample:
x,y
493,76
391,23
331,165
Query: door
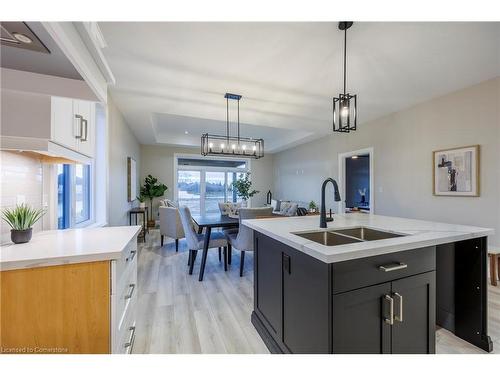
x,y
359,321
306,303
64,124
215,190
86,141
414,326
268,295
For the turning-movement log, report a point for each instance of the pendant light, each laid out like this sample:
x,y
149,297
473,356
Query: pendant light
x,y
344,106
227,145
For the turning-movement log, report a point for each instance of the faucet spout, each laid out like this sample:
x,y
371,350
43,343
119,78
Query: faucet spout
x,y
322,218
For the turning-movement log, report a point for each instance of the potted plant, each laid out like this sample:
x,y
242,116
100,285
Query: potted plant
x,y
313,207
21,219
243,187
152,189
142,201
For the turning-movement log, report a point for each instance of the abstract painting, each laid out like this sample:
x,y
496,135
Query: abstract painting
x,y
456,171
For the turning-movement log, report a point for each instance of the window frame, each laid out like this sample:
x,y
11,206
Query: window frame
x,y
203,170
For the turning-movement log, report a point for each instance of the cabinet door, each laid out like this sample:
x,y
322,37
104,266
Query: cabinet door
x,y
63,122
414,326
306,303
268,282
359,325
86,143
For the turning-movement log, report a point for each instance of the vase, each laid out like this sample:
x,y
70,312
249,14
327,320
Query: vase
x,y
244,203
142,205
21,236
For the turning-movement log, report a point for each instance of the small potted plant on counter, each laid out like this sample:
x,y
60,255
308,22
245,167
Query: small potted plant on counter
x,y
243,187
21,219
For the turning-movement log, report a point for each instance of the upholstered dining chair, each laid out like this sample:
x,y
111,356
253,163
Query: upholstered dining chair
x,y
195,241
243,240
170,224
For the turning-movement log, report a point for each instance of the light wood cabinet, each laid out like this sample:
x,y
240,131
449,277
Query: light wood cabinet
x,y
72,308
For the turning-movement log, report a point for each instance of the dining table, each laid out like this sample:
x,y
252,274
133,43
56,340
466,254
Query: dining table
x,y
207,222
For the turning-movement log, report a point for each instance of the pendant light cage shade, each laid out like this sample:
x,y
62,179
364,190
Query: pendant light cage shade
x,y
344,113
222,145
227,145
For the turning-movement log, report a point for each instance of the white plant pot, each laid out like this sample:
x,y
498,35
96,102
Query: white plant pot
x,y
142,204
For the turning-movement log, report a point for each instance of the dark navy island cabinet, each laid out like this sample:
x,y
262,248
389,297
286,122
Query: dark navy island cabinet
x,y
379,304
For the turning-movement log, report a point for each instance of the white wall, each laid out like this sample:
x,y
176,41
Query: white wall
x,y
403,143
159,162
122,143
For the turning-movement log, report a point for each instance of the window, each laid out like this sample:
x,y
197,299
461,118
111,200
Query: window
x,y
73,195
203,183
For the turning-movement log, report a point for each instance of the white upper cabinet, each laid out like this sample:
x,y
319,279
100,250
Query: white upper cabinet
x,y
63,122
34,120
84,114
73,124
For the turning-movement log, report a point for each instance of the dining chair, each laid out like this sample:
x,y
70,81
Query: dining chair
x,y
195,241
243,240
170,225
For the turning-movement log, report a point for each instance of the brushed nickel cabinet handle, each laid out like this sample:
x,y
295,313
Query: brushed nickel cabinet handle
x,y
399,316
80,120
390,320
130,343
393,267
85,122
129,295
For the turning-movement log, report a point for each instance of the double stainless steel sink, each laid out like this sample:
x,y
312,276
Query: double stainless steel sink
x,y
346,236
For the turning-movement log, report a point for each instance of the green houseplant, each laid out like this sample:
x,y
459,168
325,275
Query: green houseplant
x,y
313,207
243,187
142,201
21,219
152,189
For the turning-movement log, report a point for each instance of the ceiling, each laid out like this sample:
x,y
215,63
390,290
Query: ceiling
x,y
171,77
54,63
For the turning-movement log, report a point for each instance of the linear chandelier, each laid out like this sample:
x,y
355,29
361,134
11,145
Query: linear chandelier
x,y
227,145
345,105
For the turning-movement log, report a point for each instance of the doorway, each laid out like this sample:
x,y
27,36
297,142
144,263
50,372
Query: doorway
x,y
356,181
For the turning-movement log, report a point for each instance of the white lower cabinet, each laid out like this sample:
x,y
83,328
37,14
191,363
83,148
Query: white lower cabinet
x,y
124,300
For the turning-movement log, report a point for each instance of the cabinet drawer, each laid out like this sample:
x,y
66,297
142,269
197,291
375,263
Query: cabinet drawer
x,y
358,273
126,337
121,266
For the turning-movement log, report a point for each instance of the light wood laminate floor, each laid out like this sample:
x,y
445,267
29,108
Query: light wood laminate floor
x,y
179,314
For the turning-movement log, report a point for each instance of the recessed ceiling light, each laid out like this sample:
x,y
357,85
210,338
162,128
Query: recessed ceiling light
x,y
186,132
22,38
355,157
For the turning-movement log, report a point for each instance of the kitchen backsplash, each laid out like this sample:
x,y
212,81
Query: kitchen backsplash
x,y
21,181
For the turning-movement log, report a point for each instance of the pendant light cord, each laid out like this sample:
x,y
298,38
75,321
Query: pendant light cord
x,y
345,54
227,120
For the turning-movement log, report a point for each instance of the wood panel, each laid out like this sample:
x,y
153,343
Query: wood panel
x,y
59,309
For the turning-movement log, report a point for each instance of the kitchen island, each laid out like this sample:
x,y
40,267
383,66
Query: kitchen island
x,y
70,291
367,284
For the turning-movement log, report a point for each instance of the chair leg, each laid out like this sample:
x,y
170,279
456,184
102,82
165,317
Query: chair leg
x,y
242,262
493,270
225,258
176,245
220,255
193,259
229,253
161,240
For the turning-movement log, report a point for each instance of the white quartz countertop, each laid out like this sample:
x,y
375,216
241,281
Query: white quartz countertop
x,y
418,234
56,247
